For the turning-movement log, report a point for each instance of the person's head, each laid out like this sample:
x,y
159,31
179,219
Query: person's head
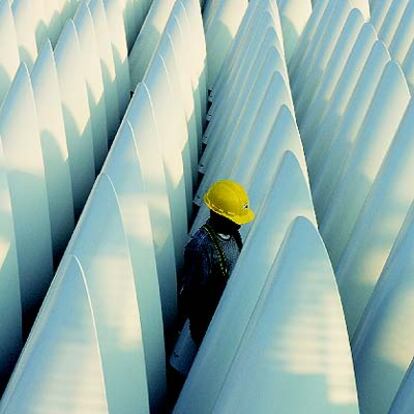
x,y
229,205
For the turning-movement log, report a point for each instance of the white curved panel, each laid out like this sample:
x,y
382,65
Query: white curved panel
x,y
27,183
60,369
147,41
325,78
76,114
174,145
241,105
258,111
123,169
292,368
10,307
133,16
192,20
237,46
306,40
25,13
321,50
94,82
404,400
179,30
320,123
54,148
53,18
227,101
263,22
379,221
220,34
9,53
404,34
181,88
327,171
288,197
244,156
103,41
294,15
119,51
392,21
408,67
379,13
141,119
284,136
383,343
100,243
363,162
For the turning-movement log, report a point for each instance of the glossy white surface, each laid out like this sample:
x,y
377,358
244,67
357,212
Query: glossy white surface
x,y
94,82
60,369
140,117
10,307
100,243
383,343
28,194
76,114
9,52
288,366
54,148
123,167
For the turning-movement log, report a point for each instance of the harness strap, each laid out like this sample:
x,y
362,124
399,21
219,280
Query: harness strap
x,y
222,258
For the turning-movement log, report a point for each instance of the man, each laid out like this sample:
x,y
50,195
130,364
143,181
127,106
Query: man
x,y
211,254
209,259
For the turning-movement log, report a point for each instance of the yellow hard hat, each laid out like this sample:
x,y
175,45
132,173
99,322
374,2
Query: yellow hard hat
x,y
229,199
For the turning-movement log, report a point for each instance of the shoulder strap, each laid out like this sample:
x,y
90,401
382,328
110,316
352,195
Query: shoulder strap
x,y
222,258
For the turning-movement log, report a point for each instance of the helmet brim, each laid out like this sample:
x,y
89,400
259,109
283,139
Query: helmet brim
x,y
244,219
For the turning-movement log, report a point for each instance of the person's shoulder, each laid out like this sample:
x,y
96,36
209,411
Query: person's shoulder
x,y
200,241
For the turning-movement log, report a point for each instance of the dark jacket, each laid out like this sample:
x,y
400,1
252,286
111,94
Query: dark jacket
x,y
204,279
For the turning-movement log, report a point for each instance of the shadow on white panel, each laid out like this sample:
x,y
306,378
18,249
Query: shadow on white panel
x,y
141,119
404,400
94,82
76,114
279,363
148,39
383,343
322,119
25,14
220,34
10,307
326,172
181,88
288,197
60,369
193,20
109,76
363,162
119,51
9,52
123,167
27,183
404,34
342,18
408,67
380,220
54,148
100,243
326,78
294,15
228,109
392,20
175,149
